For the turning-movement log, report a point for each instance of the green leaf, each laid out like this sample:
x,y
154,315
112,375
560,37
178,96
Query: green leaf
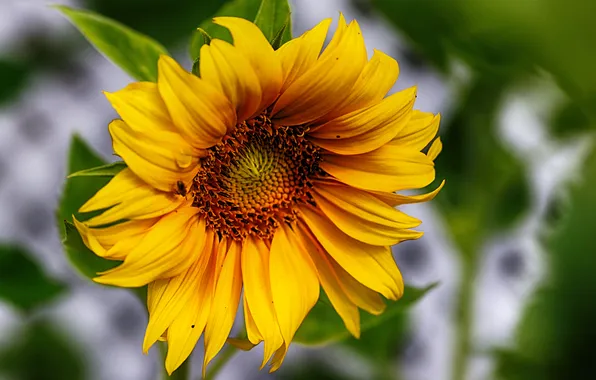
x,y
199,38
108,170
323,325
22,282
283,35
246,9
132,51
167,21
81,257
42,352
79,189
273,18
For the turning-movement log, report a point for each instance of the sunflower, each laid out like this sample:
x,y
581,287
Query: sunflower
x,y
269,176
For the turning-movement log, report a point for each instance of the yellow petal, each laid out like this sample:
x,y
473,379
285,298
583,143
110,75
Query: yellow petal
x,y
257,292
174,296
252,331
114,242
298,55
160,159
366,263
230,72
419,131
375,81
241,344
385,169
199,110
186,329
168,249
319,90
225,304
141,107
128,197
397,199
364,217
251,42
363,297
365,130
435,149
294,282
341,303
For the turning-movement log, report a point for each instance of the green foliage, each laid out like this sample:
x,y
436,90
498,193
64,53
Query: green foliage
x,y
569,120
556,334
108,170
132,51
273,18
22,282
323,325
41,353
167,21
78,189
506,38
81,257
87,174
13,76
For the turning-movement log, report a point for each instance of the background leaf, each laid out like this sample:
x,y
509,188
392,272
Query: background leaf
x,y
132,51
81,257
77,190
272,17
108,170
42,353
323,325
22,282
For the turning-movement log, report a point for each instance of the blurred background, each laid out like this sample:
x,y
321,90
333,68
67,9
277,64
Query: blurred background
x,y
509,240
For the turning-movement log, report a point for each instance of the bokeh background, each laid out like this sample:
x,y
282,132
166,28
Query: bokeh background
x,y
509,240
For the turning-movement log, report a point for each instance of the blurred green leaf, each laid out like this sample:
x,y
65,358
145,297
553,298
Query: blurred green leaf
x,y
555,337
132,51
108,170
77,190
13,76
323,325
169,22
42,353
316,370
273,18
22,282
569,120
506,38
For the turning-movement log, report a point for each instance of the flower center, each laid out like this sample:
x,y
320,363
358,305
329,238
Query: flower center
x,y
249,182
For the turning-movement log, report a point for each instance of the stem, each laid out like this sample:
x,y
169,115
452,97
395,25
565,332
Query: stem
x,y
222,359
464,316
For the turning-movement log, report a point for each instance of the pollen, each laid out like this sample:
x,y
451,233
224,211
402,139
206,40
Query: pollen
x,y
250,181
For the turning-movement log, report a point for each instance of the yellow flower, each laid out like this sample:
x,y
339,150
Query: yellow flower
x,y
270,175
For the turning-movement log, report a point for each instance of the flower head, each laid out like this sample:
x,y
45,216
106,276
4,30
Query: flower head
x,y
269,176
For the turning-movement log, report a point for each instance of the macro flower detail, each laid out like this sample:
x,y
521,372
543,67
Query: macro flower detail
x,y
266,178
